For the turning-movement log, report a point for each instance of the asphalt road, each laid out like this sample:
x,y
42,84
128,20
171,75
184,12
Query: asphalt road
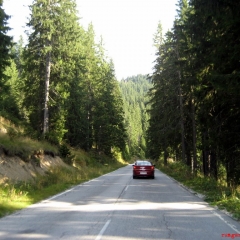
x,y
117,207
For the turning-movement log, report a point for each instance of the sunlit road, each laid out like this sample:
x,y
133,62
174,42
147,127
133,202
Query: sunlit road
x,y
117,207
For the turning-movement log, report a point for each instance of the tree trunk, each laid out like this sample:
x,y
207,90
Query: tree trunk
x,y
47,81
213,164
194,135
46,99
181,109
165,152
205,155
181,118
188,158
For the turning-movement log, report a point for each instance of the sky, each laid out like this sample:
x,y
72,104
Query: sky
x,y
126,26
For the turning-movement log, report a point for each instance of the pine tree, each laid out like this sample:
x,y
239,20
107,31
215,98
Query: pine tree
x,y
82,92
215,31
12,101
108,121
164,132
5,45
49,63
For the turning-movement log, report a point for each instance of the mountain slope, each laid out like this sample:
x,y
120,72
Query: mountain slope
x,y
134,91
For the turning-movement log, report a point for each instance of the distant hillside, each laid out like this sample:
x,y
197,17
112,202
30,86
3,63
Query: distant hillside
x,y
134,90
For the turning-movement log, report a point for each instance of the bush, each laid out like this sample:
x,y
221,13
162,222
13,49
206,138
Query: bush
x,y
66,154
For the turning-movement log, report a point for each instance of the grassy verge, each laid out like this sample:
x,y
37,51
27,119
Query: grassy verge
x,y
24,147
13,142
216,193
22,194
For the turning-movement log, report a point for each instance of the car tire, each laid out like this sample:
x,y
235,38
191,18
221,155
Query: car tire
x,y
153,177
134,177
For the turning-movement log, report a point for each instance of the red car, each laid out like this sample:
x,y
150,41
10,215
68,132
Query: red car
x,y
142,168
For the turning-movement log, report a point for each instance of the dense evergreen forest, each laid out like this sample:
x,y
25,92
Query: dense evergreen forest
x,y
61,84
195,113
134,91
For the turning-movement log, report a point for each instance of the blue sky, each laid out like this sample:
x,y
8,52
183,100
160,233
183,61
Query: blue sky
x,y
127,28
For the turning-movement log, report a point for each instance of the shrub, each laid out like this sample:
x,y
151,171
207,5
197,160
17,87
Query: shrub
x,y
66,154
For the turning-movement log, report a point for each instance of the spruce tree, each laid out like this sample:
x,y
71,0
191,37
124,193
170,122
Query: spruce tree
x,y
108,115
53,43
5,45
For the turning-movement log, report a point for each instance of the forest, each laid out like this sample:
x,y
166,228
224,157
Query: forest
x,y
63,87
134,91
195,110
61,84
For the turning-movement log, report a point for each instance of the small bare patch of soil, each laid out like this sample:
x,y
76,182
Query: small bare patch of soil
x,y
15,169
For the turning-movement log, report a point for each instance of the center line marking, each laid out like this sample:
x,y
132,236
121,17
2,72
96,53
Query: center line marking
x,y
103,230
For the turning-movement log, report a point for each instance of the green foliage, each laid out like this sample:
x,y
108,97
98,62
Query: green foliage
x,y
83,105
24,147
194,100
95,114
65,153
126,153
64,150
56,39
215,192
5,45
10,102
15,196
134,91
165,116
108,115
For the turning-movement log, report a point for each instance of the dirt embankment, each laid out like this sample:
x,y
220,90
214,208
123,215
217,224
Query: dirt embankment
x,y
15,169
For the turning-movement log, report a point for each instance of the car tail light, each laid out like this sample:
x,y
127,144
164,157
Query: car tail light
x,y
152,167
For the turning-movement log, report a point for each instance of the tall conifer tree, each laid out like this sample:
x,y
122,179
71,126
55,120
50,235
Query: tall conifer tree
x,y
53,41
5,45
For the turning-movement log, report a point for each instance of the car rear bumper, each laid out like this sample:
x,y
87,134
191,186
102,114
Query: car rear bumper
x,y
143,174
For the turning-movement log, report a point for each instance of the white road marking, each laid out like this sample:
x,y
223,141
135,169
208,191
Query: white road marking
x,y
230,225
126,188
71,189
103,230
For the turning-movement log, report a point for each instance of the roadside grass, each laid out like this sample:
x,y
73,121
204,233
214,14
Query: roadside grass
x,y
82,167
24,147
216,192
16,196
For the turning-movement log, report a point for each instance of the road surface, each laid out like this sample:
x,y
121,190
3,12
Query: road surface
x,y
117,207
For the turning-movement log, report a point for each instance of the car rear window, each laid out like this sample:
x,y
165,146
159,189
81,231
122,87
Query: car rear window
x,y
143,163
